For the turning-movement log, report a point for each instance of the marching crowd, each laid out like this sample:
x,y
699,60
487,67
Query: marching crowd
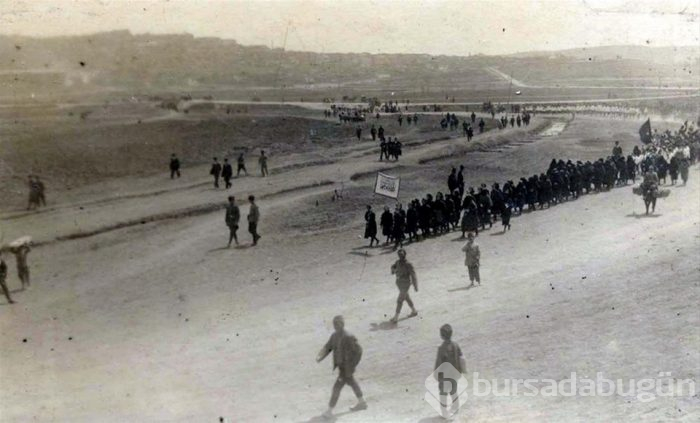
x,y
471,209
562,181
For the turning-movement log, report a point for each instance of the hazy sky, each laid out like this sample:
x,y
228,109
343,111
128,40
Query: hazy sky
x,y
380,26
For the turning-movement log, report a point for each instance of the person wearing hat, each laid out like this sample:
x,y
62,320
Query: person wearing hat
x,y
471,260
347,354
405,277
449,352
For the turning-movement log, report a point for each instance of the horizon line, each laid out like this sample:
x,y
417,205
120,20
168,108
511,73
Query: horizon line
x,y
165,34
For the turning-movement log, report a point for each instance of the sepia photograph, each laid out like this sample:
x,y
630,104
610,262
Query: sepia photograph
x,y
235,211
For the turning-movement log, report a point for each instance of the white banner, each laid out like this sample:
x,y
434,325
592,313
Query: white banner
x,y
387,186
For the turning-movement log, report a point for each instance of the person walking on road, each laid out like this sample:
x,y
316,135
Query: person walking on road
x,y
449,352
215,172
233,215
471,260
253,218
371,226
405,277
241,165
347,354
174,166
262,161
227,173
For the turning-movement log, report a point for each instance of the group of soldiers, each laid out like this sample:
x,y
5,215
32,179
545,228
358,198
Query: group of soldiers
x,y
390,149
347,351
409,119
451,121
519,119
472,209
20,251
225,171
37,192
233,216
562,181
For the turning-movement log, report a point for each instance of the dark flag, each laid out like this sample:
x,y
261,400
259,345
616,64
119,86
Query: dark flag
x,y
645,132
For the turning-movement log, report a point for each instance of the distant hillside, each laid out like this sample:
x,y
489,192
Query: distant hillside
x,y
123,61
661,55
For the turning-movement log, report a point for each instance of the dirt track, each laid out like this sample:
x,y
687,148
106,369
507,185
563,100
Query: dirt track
x,y
157,322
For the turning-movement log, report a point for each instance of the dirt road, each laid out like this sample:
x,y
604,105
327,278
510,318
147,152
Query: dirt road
x,y
158,322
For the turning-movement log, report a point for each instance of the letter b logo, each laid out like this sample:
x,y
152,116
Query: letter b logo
x,y
442,380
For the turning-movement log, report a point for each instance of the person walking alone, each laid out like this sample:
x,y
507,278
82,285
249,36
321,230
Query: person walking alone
x,y
347,354
174,166
262,161
449,352
471,259
405,277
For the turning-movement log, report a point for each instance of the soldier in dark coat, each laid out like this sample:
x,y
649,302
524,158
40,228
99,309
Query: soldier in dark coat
x,y
452,180
227,173
373,133
412,221
215,172
233,216
399,226
460,182
383,150
424,213
506,212
174,166
253,219
482,124
661,168
371,226
347,354
386,221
